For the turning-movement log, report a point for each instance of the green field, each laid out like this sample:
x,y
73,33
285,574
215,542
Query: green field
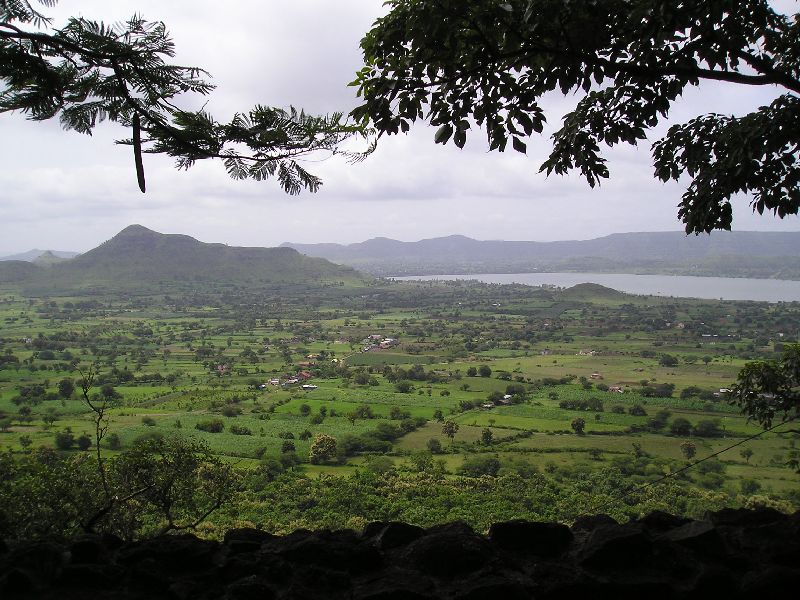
x,y
166,367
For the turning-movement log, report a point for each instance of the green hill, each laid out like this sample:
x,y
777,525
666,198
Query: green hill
x,y
14,271
139,257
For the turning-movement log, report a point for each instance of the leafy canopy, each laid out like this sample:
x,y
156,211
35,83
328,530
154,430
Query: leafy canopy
x,y
771,388
455,63
88,72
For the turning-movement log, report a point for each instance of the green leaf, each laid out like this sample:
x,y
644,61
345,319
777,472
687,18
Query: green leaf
x,y
443,134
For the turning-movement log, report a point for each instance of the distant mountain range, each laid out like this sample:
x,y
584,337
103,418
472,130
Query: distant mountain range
x,y
138,257
723,253
41,255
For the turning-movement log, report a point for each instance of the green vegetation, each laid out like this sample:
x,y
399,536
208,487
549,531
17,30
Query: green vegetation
x,y
334,405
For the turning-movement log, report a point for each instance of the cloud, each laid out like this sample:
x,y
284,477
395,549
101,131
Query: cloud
x,y
67,191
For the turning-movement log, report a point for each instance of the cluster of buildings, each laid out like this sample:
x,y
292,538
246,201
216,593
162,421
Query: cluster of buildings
x,y
377,341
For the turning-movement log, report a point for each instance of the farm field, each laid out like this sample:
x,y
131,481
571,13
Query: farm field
x,y
458,380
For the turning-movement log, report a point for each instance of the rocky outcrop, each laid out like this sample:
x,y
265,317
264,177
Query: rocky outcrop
x,y
730,554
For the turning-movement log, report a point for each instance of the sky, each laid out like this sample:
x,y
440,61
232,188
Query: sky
x,y
66,191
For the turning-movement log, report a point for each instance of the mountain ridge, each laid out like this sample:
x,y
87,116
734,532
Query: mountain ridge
x,y
138,256
741,253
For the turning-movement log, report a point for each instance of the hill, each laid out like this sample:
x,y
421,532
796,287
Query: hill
x,y
138,257
724,253
35,254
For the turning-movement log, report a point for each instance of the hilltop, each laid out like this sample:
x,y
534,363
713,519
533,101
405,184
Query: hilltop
x,y
138,256
724,253
36,254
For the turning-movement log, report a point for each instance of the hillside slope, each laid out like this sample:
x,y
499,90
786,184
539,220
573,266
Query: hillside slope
x,y
740,253
138,256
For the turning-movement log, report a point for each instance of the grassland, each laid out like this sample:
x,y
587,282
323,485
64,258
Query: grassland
x,y
168,364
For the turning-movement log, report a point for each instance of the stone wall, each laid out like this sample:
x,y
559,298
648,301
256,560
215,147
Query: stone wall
x,y
730,554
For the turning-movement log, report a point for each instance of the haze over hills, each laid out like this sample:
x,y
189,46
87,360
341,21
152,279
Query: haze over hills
x,y
138,256
723,253
35,254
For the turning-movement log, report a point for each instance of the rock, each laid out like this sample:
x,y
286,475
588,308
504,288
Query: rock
x,y
171,553
538,539
395,534
658,521
497,587
449,551
87,549
742,517
249,588
731,554
772,581
43,560
99,576
699,536
590,522
618,547
341,550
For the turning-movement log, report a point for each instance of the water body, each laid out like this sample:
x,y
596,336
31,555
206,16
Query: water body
x,y
711,288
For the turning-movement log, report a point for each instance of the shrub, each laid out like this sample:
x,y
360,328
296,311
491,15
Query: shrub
x,y
637,410
149,421
434,446
211,426
475,466
240,430
680,426
64,440
114,443
231,411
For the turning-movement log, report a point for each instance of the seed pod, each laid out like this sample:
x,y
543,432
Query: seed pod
x,y
137,151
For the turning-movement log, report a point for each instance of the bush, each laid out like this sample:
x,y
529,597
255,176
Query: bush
x,y
231,411
240,430
84,442
114,443
211,426
149,421
637,410
434,446
680,426
708,428
64,440
475,466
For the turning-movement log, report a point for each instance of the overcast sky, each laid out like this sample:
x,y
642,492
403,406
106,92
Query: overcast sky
x,y
65,191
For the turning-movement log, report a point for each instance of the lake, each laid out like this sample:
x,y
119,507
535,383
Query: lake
x,y
713,288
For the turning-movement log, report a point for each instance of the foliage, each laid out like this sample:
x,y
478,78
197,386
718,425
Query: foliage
x,y
453,62
450,428
323,449
87,72
159,485
211,426
688,449
766,389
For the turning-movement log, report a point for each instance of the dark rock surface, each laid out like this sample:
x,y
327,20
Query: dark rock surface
x,y
731,554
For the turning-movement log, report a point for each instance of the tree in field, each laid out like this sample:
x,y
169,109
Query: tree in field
x,y
485,371
487,436
66,387
88,72
769,389
746,454
323,449
688,449
578,425
450,428
456,63
680,426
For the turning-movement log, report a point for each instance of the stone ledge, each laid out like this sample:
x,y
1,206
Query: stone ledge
x,y
737,553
